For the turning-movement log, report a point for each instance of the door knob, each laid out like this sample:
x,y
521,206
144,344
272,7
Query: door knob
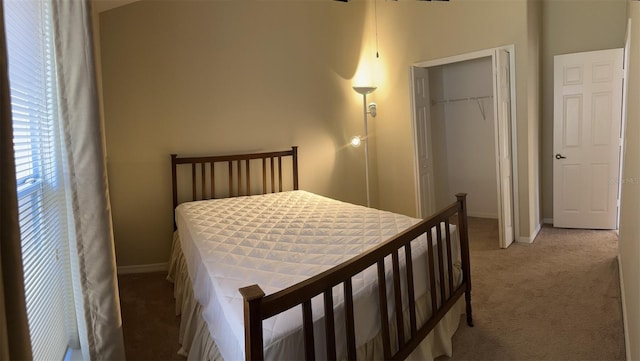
x,y
560,156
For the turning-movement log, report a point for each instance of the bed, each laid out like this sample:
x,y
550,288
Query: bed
x,y
264,270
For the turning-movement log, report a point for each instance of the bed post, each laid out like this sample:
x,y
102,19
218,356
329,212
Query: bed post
x,y
253,344
464,248
174,184
294,150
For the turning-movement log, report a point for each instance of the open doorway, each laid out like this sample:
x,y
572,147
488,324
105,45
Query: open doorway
x,y
464,136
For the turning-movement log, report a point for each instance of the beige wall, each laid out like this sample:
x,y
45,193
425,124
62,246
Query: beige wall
x,y
411,32
629,244
203,77
572,27
196,77
534,106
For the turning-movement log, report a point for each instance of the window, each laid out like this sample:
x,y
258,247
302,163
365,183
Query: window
x,y
41,198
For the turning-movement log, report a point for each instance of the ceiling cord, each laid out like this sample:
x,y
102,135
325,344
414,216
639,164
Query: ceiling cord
x,y
375,9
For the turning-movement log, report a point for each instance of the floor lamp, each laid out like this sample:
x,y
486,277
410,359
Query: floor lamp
x,y
364,90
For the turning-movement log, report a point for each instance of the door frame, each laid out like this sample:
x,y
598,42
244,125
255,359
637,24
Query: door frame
x,y
623,124
514,146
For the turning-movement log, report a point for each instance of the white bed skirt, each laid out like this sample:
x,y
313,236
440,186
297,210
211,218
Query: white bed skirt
x,y
197,344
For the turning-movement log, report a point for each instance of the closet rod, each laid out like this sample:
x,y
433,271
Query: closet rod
x,y
461,99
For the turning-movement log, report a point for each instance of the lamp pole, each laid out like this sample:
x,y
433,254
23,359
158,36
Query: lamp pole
x,y
366,147
364,91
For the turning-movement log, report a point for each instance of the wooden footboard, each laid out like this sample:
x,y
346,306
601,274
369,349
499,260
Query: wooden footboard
x,y
258,307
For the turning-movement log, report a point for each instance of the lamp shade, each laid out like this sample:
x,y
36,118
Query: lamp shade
x,y
364,89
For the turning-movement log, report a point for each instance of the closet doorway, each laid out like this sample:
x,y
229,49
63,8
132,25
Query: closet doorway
x,y
464,136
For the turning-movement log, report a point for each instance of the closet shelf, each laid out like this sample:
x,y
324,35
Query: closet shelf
x,y
476,99
434,102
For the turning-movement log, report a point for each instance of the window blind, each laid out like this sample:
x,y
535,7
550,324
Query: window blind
x,y
41,198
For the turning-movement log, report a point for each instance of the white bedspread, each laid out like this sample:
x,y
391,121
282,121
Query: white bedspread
x,y
275,241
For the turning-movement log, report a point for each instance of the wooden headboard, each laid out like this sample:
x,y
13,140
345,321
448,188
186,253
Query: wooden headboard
x,y
203,174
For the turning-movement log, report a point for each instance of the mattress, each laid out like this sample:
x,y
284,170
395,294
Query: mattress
x,y
275,241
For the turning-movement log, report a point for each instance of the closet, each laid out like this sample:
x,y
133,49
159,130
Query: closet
x,y
463,135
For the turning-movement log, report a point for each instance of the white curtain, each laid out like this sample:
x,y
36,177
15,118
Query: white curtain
x,y
14,331
92,249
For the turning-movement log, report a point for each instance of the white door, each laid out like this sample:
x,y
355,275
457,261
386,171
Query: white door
x,y
422,111
586,143
503,144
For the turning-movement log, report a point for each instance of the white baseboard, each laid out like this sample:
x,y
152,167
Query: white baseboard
x,y
482,215
547,220
143,268
532,237
624,312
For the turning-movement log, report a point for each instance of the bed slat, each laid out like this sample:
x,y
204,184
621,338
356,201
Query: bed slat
x,y
294,155
384,313
239,178
307,321
398,297
440,263
410,289
432,272
273,181
280,174
264,175
203,188
464,250
349,320
248,174
329,327
230,179
213,180
174,183
193,181
449,260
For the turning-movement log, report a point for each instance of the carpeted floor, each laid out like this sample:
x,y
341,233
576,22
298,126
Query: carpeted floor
x,y
555,299
149,320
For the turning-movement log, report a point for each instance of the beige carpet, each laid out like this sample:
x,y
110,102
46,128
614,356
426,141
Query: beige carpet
x,y
555,299
149,321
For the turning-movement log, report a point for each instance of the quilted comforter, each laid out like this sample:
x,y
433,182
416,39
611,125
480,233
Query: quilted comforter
x,y
275,241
